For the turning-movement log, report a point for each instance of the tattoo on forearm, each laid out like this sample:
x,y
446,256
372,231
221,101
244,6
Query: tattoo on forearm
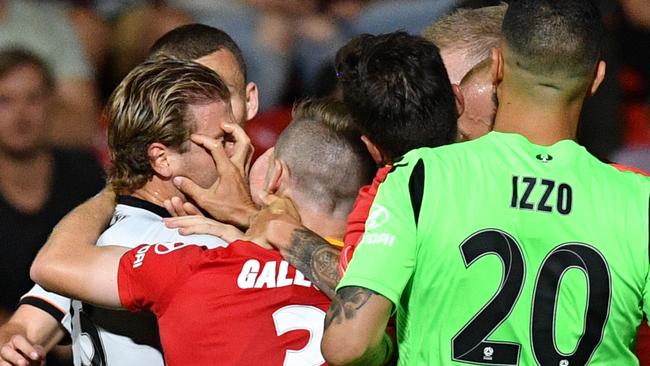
x,y
316,259
346,304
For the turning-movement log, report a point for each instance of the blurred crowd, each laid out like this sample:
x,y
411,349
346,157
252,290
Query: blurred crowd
x,y
52,142
288,46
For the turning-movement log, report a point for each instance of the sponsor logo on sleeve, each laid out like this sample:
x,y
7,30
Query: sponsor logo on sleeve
x,y
166,248
377,217
139,256
378,239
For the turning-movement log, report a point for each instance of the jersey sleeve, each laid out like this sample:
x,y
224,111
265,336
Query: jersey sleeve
x,y
56,305
149,275
385,257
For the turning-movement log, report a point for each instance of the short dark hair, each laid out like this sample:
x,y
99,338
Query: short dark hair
x,y
555,35
398,91
12,58
193,41
323,149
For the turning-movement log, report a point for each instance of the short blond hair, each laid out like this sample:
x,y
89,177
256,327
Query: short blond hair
x,y
150,105
473,31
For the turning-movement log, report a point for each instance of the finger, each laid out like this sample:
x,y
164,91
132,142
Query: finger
x,y
189,188
11,357
215,147
243,149
269,198
191,209
170,208
184,221
226,232
177,202
25,347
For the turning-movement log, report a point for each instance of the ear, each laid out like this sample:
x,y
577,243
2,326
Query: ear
x,y
252,100
496,69
601,70
160,160
376,153
278,173
460,100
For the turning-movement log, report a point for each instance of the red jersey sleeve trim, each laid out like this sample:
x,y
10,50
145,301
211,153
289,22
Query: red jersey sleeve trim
x,y
357,218
625,168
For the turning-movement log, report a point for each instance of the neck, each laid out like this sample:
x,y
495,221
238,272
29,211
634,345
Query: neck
x,y
327,219
542,116
157,191
325,226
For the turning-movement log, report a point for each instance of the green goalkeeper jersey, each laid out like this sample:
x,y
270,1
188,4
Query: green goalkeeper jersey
x,y
502,252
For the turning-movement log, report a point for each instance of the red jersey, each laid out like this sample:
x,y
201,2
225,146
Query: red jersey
x,y
239,305
357,217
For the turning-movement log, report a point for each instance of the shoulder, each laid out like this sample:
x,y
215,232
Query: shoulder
x,y
132,226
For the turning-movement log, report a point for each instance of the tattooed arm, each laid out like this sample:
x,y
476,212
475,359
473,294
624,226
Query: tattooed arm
x,y
280,226
355,328
315,258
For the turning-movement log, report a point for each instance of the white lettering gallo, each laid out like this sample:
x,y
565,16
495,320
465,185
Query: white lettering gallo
x,y
271,276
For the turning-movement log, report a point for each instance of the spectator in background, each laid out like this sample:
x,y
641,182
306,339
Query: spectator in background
x,y
136,30
45,30
111,336
39,184
635,44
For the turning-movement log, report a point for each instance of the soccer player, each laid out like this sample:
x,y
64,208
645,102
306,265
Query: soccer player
x,y
152,114
238,305
544,261
392,124
467,60
45,318
466,38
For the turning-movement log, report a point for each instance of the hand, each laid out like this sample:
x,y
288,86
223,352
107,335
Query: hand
x,y
188,225
19,351
228,199
239,147
275,223
177,207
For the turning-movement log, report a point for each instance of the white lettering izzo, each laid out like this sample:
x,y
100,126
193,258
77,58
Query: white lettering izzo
x,y
378,238
271,275
139,256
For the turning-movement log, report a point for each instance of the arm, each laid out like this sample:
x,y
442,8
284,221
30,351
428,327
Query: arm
x,y
278,224
28,335
72,265
310,254
357,319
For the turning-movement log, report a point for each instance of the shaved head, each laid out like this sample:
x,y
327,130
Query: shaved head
x,y
552,37
325,155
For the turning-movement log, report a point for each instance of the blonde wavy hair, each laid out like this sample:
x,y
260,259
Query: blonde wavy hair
x,y
151,105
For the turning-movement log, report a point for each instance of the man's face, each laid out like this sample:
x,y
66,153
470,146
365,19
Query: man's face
x,y
478,92
24,100
223,62
196,163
